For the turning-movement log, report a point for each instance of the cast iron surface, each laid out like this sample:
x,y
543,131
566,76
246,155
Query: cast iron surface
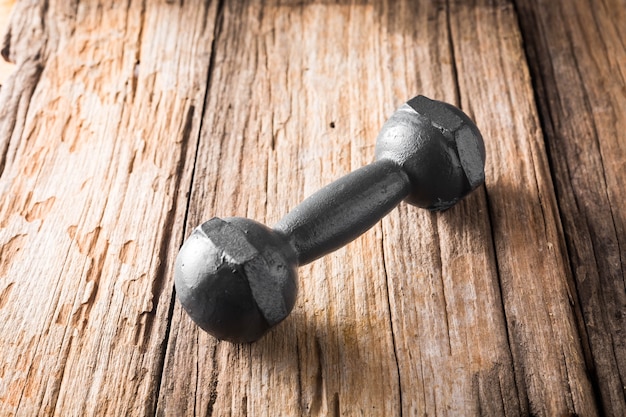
x,y
237,278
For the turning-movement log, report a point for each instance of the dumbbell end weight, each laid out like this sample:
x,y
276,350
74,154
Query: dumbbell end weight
x,y
440,149
237,278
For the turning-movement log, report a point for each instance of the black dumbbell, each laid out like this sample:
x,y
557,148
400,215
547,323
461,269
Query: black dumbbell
x,y
237,278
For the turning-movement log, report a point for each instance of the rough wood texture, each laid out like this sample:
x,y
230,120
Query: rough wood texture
x,y
101,120
582,97
125,125
6,68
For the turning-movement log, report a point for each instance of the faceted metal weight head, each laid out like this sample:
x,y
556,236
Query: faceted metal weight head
x,y
440,149
236,278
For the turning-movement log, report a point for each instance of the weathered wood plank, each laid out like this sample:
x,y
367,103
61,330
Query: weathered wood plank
x,y
27,51
579,69
448,321
532,265
100,120
280,124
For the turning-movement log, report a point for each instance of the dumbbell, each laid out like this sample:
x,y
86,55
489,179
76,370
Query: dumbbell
x,y
237,278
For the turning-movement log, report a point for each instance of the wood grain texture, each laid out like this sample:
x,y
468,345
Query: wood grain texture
x,y
533,269
100,120
405,319
6,68
258,164
579,69
126,125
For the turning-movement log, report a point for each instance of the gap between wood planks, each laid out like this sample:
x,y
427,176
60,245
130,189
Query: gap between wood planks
x,y
216,33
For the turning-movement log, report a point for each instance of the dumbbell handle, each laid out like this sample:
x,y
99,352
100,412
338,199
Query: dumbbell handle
x,y
343,210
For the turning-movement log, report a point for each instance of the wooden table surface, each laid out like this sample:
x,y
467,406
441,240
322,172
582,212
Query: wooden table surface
x,y
123,125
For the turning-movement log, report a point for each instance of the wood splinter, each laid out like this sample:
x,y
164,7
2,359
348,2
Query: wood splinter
x,y
237,278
